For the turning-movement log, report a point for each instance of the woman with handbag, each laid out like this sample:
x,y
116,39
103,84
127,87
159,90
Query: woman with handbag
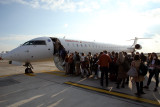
x,y
122,74
153,63
140,78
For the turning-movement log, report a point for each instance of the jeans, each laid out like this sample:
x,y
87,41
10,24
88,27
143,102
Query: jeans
x,y
151,73
104,71
139,86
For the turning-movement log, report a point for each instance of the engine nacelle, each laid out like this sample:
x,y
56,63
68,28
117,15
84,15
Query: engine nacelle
x,y
138,46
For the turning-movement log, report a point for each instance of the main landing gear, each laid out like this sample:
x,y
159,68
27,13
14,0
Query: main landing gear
x,y
29,68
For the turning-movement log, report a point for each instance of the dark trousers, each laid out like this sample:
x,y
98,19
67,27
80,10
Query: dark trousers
x,y
119,81
104,71
95,69
139,86
151,73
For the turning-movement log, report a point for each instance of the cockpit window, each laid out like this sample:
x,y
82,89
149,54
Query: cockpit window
x,y
37,42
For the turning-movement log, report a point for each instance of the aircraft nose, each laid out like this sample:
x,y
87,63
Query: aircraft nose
x,y
6,56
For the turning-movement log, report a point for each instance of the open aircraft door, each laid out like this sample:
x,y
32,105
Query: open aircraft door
x,y
58,62
56,57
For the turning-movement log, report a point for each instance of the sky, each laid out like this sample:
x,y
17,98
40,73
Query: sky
x,y
107,21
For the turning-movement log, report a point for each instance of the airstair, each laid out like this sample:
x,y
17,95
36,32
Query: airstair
x,y
58,62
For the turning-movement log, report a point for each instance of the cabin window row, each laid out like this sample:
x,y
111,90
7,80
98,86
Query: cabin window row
x,y
88,45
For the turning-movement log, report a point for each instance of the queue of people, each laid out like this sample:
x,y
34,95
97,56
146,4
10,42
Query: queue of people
x,y
114,66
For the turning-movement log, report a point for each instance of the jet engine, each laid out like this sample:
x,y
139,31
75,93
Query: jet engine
x,y
138,46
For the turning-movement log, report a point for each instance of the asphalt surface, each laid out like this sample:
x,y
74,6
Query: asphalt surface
x,y
49,87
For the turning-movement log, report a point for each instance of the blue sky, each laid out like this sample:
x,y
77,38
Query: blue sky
x,y
113,21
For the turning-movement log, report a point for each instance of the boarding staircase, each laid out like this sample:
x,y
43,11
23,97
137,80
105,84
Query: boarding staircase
x,y
58,62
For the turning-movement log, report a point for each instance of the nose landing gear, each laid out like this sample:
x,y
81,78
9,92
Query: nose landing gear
x,y
29,68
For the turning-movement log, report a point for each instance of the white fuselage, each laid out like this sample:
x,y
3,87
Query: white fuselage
x,y
42,48
32,53
93,47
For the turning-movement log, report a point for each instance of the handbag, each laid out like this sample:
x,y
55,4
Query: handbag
x,y
132,72
143,69
99,74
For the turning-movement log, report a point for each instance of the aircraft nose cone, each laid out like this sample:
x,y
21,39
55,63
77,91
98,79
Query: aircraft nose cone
x,y
5,56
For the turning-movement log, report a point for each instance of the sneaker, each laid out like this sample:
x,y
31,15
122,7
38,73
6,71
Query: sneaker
x,y
143,92
117,87
146,87
138,94
95,78
123,86
82,76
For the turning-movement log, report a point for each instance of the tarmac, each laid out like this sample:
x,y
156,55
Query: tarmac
x,y
49,87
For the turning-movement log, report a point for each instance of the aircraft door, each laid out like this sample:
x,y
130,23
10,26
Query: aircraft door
x,y
57,57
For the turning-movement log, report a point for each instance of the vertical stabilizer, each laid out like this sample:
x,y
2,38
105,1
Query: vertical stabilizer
x,y
135,41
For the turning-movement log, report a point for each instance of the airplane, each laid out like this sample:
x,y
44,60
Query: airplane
x,y
46,48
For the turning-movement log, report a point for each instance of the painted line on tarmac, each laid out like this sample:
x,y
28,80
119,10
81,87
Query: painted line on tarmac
x,y
5,76
2,76
30,74
52,73
57,71
113,93
16,74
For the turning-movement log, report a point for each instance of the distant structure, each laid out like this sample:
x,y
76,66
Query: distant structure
x,y
3,52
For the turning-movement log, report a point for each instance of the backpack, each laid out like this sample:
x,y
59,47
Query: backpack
x,y
143,69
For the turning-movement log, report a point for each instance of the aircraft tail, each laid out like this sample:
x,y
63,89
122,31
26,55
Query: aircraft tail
x,y
135,45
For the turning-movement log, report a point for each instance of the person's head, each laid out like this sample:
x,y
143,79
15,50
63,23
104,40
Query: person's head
x,y
113,53
136,57
137,53
116,54
72,54
105,52
154,56
95,56
125,53
121,57
100,53
142,54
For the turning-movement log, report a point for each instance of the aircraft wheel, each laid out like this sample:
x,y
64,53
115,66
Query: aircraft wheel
x,y
28,70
